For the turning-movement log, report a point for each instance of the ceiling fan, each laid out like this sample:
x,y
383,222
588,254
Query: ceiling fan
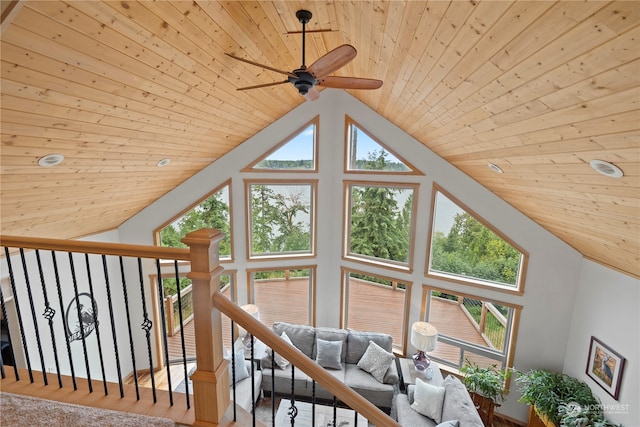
x,y
305,79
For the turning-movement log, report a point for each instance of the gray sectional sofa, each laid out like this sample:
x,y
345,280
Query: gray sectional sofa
x,y
352,345
456,406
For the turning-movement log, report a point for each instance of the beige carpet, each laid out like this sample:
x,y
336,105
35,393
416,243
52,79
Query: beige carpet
x,y
19,411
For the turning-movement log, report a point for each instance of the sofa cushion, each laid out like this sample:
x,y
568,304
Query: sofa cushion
x,y
358,342
332,334
328,354
282,380
428,400
450,423
376,361
407,416
302,336
368,387
280,361
241,371
458,404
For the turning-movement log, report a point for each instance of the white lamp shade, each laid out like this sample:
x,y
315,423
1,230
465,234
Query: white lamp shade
x,y
254,311
424,336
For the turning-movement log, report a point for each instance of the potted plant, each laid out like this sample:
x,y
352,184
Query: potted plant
x,y
560,399
487,387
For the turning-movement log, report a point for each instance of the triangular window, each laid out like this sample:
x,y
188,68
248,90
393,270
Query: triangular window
x,y
365,153
296,153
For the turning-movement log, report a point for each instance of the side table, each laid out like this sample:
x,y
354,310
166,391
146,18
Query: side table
x,y
410,373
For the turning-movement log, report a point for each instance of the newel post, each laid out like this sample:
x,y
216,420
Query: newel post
x,y
211,378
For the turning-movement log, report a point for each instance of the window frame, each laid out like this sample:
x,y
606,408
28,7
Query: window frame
x,y
312,285
507,355
346,230
251,167
313,185
472,281
398,348
226,183
348,148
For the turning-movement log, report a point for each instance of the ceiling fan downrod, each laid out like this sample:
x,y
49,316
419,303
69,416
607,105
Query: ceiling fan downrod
x,y
304,16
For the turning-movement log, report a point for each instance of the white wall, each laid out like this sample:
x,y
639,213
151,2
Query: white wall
x,y
607,306
41,324
554,268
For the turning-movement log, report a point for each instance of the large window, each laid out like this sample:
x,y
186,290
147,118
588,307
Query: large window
x,y
466,249
471,328
380,223
375,303
283,295
297,153
212,212
366,154
280,218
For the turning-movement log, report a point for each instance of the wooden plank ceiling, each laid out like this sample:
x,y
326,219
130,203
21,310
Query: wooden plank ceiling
x,y
539,88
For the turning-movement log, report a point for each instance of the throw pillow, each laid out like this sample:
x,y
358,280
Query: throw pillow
x,y
329,353
452,423
280,361
240,366
428,400
376,361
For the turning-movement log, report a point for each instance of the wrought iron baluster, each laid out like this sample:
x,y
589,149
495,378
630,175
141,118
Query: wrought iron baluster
x,y
16,303
36,329
146,325
335,409
131,346
113,323
56,273
293,411
313,402
48,314
81,329
233,370
164,329
253,389
273,387
96,324
184,351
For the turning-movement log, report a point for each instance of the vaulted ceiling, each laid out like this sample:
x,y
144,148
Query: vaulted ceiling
x,y
538,88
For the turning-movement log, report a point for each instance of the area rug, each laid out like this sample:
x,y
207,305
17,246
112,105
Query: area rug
x,y
18,410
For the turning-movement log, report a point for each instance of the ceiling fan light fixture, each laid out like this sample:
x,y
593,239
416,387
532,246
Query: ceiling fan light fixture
x,y
50,160
606,168
495,168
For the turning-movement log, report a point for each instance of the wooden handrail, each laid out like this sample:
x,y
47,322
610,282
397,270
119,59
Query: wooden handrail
x,y
302,362
118,249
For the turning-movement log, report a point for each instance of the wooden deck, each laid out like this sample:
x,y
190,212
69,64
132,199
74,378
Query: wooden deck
x,y
371,308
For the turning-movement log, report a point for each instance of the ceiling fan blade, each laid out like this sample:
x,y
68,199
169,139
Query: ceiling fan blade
x,y
263,85
313,94
349,82
266,67
331,61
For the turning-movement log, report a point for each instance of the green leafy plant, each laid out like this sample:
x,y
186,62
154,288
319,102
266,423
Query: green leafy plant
x,y
489,382
563,399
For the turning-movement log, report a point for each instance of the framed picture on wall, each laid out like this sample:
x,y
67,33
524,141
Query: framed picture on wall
x,y
605,366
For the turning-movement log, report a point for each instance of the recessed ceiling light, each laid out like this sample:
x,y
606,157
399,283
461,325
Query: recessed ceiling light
x,y
50,160
494,167
162,163
606,168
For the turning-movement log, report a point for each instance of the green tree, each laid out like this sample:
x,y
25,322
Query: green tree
x,y
276,226
211,213
379,228
471,249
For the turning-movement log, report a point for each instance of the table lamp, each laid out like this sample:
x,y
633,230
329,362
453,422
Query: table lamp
x,y
254,311
424,337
